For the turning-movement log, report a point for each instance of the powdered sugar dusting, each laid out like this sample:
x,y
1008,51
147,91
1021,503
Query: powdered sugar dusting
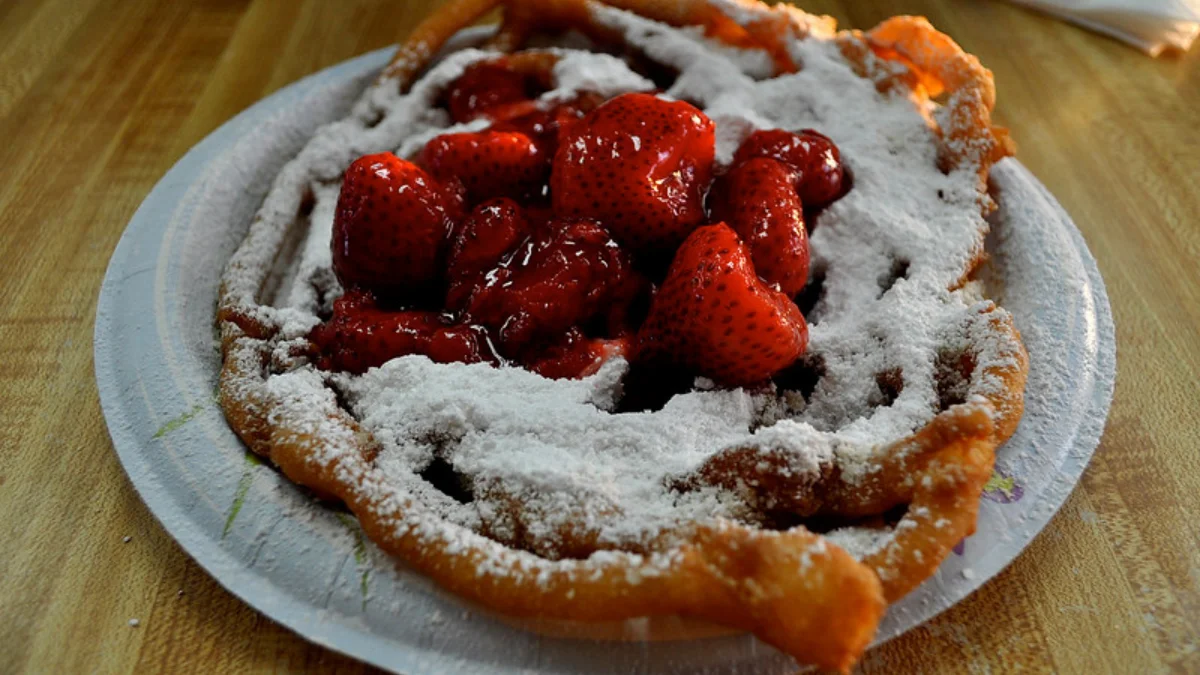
x,y
885,255
602,74
548,445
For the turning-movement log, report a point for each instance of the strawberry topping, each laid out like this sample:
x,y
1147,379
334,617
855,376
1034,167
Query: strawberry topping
x,y
818,164
576,355
547,127
639,165
361,336
489,163
486,86
757,200
714,316
565,277
390,226
566,198
480,242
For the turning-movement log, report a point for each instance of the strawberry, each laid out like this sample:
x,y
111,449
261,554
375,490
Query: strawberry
x,y
566,276
485,86
814,156
479,243
757,200
547,127
714,316
390,226
489,163
640,166
359,336
575,355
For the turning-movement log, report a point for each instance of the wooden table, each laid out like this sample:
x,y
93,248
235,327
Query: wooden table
x,y
98,98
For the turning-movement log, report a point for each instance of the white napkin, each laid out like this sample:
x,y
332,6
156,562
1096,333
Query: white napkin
x,y
1154,26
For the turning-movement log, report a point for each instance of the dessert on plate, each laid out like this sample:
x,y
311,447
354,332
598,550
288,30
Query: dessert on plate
x,y
642,308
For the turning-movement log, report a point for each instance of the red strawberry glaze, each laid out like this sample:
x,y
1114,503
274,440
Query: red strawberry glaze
x,y
546,126
479,243
566,276
640,166
714,316
489,163
758,200
576,355
486,86
390,226
820,176
550,285
361,336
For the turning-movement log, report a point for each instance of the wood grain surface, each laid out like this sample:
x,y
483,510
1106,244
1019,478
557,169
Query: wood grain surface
x,y
98,98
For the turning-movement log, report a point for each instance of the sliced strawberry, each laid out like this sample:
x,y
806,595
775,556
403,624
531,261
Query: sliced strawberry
x,y
820,176
547,126
359,336
758,200
639,165
390,226
575,355
484,86
479,243
714,316
550,283
489,163
500,114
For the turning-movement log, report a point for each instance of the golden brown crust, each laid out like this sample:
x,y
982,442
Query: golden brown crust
x,y
793,589
242,393
725,572
431,34
968,136
941,514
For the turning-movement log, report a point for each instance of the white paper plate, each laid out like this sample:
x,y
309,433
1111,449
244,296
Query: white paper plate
x,y
309,567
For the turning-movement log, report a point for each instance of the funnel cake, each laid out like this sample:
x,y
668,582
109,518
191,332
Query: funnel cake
x,y
648,469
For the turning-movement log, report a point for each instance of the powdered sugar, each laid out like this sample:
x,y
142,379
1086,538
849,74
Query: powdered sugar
x,y
860,541
887,252
548,444
602,74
